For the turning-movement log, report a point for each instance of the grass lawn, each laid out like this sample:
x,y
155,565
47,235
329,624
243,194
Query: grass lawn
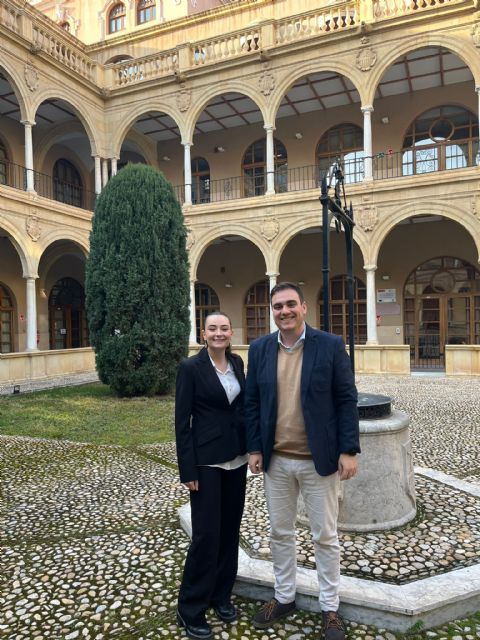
x,y
88,413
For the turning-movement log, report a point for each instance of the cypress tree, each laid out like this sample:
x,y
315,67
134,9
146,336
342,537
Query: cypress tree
x,y
137,283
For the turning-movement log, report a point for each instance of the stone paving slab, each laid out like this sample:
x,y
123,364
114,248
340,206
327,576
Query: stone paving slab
x,y
91,546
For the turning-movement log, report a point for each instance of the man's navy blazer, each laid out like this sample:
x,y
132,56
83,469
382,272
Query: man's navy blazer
x,y
328,397
208,429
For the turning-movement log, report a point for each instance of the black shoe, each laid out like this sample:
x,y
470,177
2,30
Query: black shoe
x,y
195,631
333,627
270,612
226,612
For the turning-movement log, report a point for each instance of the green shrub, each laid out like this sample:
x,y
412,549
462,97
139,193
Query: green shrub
x,y
137,283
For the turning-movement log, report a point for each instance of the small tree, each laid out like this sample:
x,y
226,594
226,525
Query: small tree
x,y
137,283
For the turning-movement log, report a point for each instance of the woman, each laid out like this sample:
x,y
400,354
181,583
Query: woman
x,y
212,461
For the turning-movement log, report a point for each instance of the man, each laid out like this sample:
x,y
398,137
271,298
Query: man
x,y
302,431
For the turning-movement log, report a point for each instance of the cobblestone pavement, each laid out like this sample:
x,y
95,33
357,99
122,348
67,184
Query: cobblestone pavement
x,y
91,547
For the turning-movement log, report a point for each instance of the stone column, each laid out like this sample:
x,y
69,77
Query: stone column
x,y
98,175
104,172
272,276
114,166
31,314
371,305
270,168
29,155
367,141
193,317
187,168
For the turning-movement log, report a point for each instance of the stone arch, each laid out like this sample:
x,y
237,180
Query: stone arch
x,y
198,249
129,118
18,240
403,212
291,230
48,140
18,82
55,254
80,108
466,52
78,237
316,66
235,86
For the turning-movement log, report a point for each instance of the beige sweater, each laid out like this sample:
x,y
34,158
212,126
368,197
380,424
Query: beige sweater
x,y
290,435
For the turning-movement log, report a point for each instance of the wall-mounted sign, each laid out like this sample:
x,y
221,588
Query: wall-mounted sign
x,y
386,295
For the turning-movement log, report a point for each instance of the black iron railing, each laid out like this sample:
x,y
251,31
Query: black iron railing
x,y
15,175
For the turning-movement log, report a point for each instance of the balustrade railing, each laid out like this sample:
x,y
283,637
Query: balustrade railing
x,y
14,175
29,23
334,17
153,66
383,9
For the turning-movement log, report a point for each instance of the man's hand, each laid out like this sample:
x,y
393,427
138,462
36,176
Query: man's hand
x,y
347,466
255,463
192,485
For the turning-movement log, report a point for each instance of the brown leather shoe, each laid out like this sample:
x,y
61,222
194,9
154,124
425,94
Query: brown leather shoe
x,y
270,612
333,627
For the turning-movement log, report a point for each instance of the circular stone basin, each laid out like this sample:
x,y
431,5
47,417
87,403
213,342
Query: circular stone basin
x,y
382,494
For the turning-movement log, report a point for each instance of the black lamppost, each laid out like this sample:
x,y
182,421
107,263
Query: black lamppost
x,y
336,208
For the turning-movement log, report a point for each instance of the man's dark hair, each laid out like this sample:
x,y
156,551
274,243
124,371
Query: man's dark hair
x,y
282,286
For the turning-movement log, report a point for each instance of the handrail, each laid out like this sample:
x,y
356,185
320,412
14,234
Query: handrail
x,y
15,176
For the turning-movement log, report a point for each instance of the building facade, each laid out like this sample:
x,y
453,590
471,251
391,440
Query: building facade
x,y
243,105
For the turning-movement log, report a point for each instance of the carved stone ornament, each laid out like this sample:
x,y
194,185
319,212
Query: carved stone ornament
x,y
191,239
184,98
31,76
476,34
270,228
33,228
366,59
367,217
266,81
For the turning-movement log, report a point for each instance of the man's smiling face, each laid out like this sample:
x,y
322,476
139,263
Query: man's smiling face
x,y
288,312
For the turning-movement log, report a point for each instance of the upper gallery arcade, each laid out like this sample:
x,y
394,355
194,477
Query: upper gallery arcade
x,y
243,106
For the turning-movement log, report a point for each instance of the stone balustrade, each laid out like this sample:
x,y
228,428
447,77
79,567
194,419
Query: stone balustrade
x,y
337,16
26,21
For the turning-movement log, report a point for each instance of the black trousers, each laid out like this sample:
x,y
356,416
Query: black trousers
x,y
212,559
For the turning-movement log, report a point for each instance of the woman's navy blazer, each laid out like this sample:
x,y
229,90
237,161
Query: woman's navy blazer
x,y
208,429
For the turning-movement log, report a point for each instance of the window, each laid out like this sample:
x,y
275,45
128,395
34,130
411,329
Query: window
x,y
343,142
441,138
200,180
254,168
6,320
339,308
3,165
116,18
257,311
67,185
206,301
145,11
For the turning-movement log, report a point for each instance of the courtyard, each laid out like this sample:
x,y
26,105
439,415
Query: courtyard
x,y
91,544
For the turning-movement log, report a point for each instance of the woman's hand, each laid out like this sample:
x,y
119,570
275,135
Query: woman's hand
x,y
192,485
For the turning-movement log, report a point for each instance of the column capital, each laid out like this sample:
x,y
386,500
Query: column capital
x,y
30,276
368,108
269,127
272,274
29,123
187,143
477,89
370,267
